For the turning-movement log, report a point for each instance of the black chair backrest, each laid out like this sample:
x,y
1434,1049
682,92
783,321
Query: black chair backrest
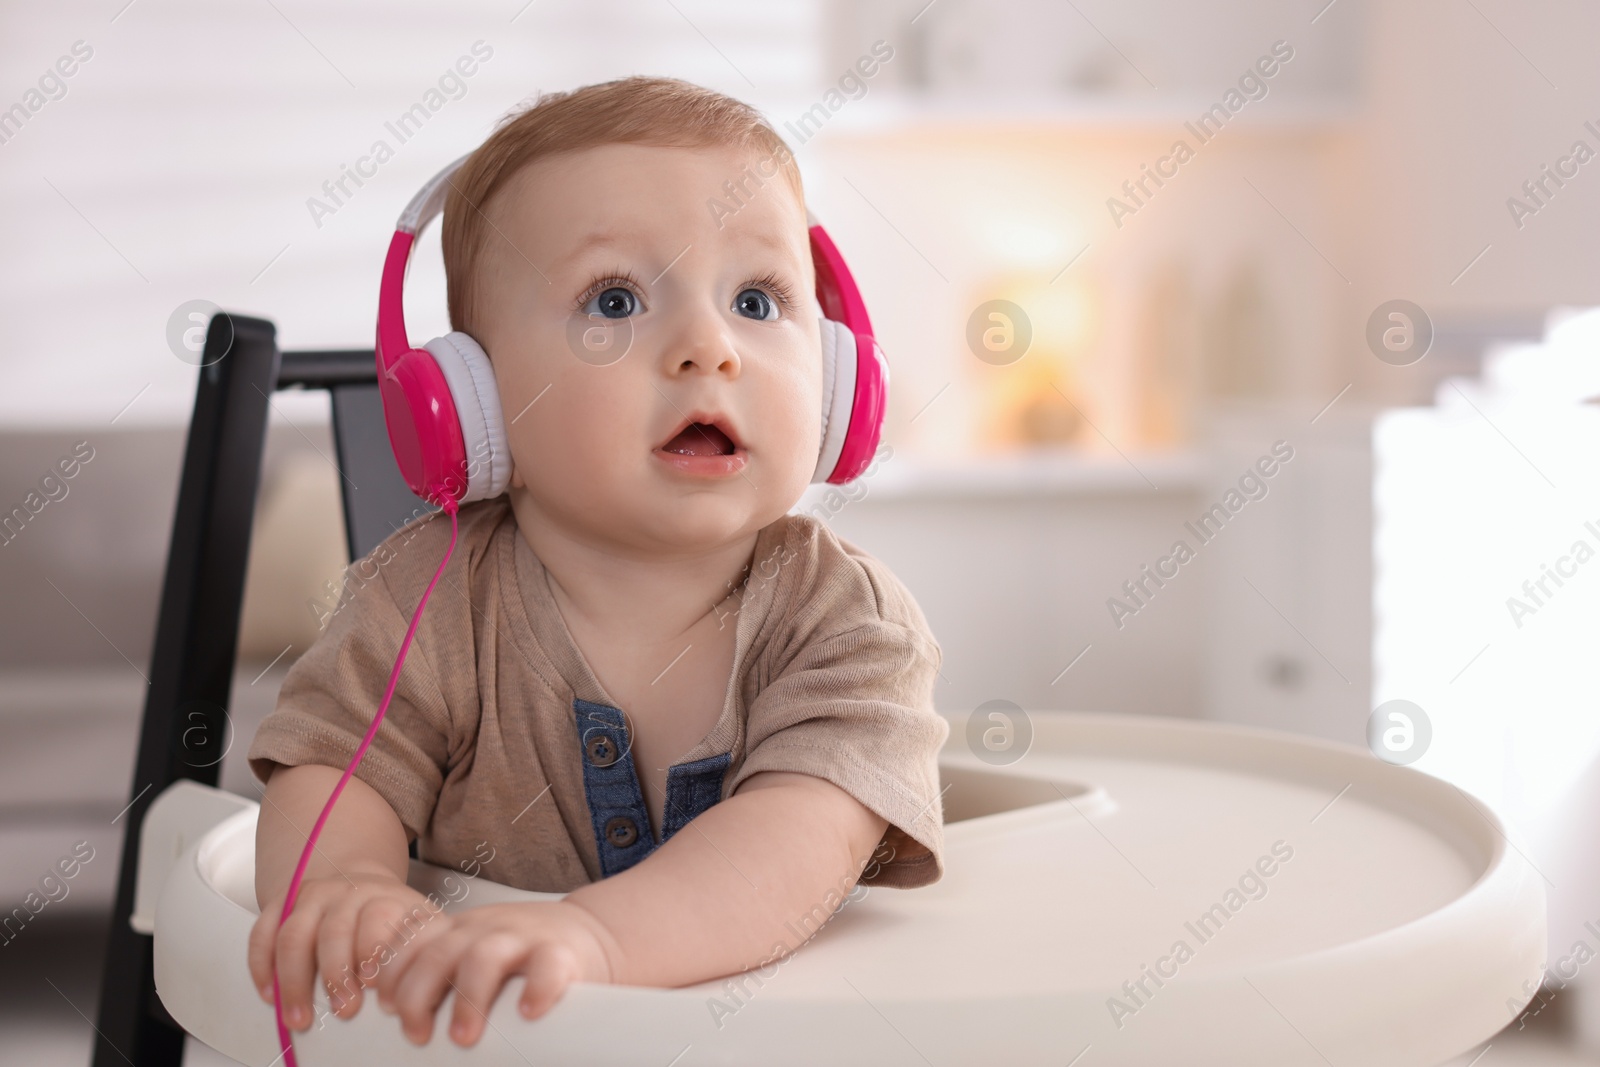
x,y
377,501
185,724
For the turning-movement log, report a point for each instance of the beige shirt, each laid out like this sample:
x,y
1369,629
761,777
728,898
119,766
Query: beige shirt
x,y
480,751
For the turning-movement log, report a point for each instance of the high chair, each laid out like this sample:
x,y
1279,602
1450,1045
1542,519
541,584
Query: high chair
x,y
1129,891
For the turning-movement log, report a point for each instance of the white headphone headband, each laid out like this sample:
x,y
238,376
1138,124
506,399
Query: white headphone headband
x,y
429,201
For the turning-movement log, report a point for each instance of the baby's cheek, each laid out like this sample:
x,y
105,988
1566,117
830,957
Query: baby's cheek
x,y
801,426
796,435
803,402
564,456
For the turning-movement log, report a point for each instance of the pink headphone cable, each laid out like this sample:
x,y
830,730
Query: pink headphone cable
x,y
284,1039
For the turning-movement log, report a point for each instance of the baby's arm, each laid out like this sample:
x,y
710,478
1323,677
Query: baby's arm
x,y
735,882
354,886
718,898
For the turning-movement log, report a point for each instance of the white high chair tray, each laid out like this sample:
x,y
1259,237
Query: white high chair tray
x,y
1396,927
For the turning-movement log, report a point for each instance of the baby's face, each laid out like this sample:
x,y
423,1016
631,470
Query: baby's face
x,y
721,333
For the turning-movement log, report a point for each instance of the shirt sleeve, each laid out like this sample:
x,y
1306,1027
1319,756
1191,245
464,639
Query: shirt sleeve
x,y
856,709
331,694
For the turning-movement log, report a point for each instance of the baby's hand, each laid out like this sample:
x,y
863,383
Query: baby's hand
x,y
552,944
333,920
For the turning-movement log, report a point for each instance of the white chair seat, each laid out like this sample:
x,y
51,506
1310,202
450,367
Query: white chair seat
x,y
1400,932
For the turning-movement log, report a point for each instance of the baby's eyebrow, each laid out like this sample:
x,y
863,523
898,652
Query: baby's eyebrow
x,y
774,241
609,238
589,241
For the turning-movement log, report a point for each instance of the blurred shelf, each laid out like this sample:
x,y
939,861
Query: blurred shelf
x,y
891,113
1044,472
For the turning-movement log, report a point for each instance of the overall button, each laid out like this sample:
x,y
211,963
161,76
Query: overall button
x,y
621,831
601,750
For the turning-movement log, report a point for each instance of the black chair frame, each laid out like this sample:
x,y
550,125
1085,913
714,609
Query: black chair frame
x,y
185,725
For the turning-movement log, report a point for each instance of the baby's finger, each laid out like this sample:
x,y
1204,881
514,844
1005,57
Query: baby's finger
x,y
413,928
479,978
335,949
375,938
550,970
262,936
423,983
295,959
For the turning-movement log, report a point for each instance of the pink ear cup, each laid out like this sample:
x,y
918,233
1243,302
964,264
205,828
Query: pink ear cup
x,y
841,301
423,428
418,409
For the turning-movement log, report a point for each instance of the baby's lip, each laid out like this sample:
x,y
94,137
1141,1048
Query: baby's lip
x,y
721,422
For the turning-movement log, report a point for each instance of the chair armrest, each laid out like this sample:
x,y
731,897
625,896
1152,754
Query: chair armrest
x,y
182,814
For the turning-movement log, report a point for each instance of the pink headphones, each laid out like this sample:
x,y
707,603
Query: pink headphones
x,y
441,406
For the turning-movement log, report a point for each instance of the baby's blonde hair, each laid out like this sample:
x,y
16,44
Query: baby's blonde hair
x,y
663,112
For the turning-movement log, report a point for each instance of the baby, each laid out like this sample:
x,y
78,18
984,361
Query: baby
x,y
640,682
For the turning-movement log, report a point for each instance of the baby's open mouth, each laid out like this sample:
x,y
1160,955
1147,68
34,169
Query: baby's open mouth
x,y
701,439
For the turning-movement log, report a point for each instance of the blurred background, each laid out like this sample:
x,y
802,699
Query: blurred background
x,y
1117,252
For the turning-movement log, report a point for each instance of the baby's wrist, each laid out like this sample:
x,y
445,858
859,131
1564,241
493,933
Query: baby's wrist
x,y
599,953
375,870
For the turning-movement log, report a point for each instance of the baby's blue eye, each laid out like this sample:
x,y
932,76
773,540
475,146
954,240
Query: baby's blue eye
x,y
754,304
613,303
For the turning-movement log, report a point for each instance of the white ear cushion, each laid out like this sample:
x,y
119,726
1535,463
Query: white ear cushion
x,y
838,394
830,344
466,368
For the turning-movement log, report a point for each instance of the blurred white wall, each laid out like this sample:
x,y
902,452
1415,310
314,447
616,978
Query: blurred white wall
x,y
179,162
